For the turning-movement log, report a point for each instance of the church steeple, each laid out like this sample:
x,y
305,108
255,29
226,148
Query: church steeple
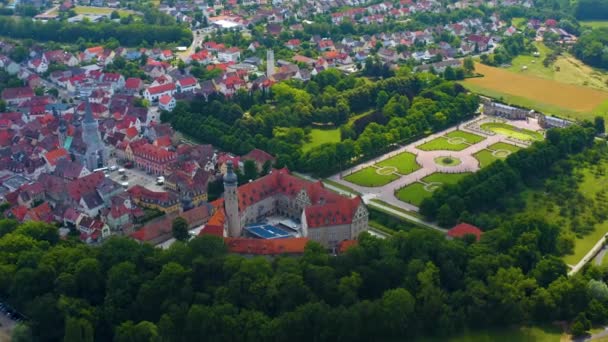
x,y
96,153
231,201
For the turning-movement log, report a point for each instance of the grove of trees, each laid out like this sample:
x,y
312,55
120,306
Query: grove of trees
x,y
413,284
392,111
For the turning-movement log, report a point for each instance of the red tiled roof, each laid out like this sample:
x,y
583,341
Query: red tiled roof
x,y
19,212
16,93
463,229
53,156
187,81
131,132
343,246
161,88
165,99
259,156
266,247
132,83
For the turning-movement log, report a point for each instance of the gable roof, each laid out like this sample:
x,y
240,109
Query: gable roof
x,y
463,229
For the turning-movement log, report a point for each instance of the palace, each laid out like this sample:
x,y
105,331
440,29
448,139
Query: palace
x,y
280,204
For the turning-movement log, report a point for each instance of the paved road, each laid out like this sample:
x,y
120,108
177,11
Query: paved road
x,y
600,256
198,36
588,257
468,163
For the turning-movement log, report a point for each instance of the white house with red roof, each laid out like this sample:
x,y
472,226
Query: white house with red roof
x,y
166,102
154,93
38,65
232,54
187,85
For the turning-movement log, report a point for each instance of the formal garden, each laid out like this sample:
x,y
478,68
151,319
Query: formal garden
x,y
416,192
494,152
453,141
512,131
385,171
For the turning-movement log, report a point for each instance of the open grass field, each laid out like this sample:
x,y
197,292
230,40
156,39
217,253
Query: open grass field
x,y
542,94
494,152
404,162
320,137
511,334
415,193
511,131
100,11
370,178
594,23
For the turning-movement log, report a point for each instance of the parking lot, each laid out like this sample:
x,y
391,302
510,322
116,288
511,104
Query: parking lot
x,y
135,177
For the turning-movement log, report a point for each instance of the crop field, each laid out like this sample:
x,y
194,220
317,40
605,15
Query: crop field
x,y
404,163
594,23
511,131
370,177
545,95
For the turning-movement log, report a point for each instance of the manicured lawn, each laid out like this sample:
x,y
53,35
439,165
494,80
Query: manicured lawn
x,y
511,131
469,137
416,192
447,161
504,146
340,186
519,334
445,178
487,157
413,193
404,162
542,92
441,144
369,177
321,136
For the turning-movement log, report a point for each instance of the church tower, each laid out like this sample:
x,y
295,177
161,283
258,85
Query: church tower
x,y
62,130
96,153
231,202
269,63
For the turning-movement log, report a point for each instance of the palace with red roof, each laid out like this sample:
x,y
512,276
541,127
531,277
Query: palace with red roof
x,y
322,215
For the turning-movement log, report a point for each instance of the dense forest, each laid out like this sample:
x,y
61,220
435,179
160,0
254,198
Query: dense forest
x,y
133,34
591,10
386,112
592,47
415,283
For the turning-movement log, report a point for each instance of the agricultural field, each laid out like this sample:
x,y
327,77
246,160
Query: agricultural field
x,y
405,163
542,94
370,177
511,131
453,141
566,69
494,152
416,192
320,137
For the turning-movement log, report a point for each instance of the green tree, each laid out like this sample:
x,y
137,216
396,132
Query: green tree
x,y
141,332
250,170
78,330
21,333
599,125
468,65
179,227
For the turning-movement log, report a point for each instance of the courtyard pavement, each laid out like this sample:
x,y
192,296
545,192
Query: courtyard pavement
x,y
426,159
